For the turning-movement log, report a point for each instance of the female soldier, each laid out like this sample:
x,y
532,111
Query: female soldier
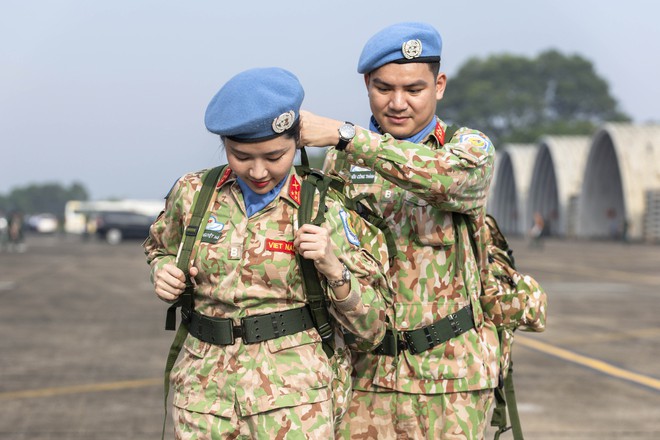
x,y
245,270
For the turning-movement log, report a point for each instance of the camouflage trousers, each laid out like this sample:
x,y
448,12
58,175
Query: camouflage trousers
x,y
417,416
310,421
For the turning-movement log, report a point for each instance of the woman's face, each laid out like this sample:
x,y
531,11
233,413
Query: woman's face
x,y
262,165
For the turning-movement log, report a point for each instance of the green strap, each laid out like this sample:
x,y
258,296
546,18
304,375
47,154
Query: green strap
x,y
311,283
200,211
505,397
450,131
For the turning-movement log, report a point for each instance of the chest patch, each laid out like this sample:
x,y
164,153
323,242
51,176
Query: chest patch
x,y
279,246
362,175
348,229
213,230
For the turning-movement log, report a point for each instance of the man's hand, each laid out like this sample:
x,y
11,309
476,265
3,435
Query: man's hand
x,y
317,131
170,282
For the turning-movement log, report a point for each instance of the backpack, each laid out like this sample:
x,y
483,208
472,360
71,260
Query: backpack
x,y
373,230
512,301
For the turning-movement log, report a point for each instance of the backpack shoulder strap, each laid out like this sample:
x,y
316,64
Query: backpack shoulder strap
x,y
450,131
200,209
505,396
311,284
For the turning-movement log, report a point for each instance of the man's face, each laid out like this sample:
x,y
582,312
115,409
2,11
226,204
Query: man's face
x,y
403,97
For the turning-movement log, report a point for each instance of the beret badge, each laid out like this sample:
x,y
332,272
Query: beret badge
x,y
411,49
284,121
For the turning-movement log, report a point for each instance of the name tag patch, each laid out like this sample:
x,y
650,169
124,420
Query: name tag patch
x,y
279,246
213,230
362,175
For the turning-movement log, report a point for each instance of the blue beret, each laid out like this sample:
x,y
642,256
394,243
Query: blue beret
x,y
255,105
409,42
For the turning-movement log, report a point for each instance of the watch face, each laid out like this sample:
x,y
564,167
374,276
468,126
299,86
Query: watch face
x,y
347,131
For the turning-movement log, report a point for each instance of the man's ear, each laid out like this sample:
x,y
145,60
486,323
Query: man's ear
x,y
366,80
440,84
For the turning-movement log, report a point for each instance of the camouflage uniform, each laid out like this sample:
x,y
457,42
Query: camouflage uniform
x,y
283,387
417,187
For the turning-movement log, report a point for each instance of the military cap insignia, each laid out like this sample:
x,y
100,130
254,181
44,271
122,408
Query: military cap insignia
x,y
284,121
412,49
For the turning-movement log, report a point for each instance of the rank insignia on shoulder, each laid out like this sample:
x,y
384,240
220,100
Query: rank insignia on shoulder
x,y
411,49
348,229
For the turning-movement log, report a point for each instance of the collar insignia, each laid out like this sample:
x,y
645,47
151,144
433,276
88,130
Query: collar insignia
x,y
294,189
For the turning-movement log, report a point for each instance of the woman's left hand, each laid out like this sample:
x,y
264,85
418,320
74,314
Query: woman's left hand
x,y
313,242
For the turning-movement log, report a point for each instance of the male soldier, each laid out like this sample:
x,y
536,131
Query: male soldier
x,y
432,377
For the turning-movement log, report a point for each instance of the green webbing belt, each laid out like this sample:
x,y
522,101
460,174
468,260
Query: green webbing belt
x,y
504,393
186,299
311,283
253,329
424,338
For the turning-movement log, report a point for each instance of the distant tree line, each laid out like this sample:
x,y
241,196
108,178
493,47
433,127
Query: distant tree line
x,y
514,99
42,198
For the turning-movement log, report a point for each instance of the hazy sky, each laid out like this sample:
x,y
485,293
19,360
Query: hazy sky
x,y
112,94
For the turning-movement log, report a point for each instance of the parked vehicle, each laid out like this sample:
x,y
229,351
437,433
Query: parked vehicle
x,y
114,227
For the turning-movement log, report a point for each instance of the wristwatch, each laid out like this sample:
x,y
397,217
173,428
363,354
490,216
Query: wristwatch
x,y
345,278
346,134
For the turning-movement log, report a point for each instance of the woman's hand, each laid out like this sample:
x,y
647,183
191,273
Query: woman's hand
x,y
313,242
170,282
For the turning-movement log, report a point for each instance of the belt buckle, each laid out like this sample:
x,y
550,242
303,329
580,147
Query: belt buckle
x,y
455,325
409,343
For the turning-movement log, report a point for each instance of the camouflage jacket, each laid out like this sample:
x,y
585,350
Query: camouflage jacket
x,y
417,187
247,267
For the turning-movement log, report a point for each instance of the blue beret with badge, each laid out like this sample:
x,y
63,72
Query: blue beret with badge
x,y
408,42
256,105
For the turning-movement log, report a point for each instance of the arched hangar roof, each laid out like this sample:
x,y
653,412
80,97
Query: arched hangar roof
x,y
623,167
510,186
556,182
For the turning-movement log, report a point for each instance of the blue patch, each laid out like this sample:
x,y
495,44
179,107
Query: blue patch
x,y
348,229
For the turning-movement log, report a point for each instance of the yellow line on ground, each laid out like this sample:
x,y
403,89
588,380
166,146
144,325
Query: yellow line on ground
x,y
89,388
589,362
603,274
653,332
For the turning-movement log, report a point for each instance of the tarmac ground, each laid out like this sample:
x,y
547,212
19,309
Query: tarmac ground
x,y
83,342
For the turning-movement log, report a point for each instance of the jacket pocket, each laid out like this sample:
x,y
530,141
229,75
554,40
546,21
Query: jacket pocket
x,y
431,226
293,372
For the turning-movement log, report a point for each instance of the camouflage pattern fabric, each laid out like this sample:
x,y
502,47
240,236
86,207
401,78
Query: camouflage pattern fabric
x,y
375,416
417,186
511,300
248,267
